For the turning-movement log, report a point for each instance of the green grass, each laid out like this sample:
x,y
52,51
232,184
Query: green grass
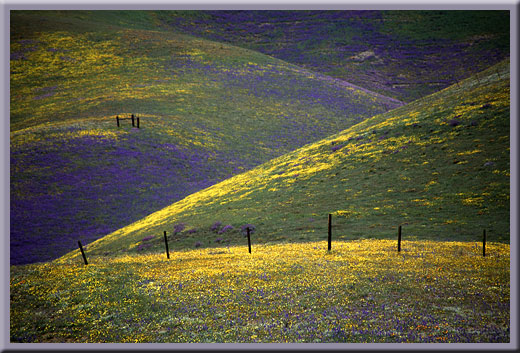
x,y
226,109
438,166
410,166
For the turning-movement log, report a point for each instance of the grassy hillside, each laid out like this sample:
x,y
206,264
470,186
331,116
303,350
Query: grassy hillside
x,y
402,54
207,111
438,166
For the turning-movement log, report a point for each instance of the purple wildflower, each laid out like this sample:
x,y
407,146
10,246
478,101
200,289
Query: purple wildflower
x,y
148,238
198,244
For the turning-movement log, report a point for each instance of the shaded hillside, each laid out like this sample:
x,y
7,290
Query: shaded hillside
x,y
438,166
402,54
207,111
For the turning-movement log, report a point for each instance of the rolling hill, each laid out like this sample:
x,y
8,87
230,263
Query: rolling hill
x,y
438,166
402,54
207,111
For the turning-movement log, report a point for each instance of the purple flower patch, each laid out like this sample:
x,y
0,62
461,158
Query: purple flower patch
x,y
143,246
243,229
46,95
225,229
193,230
178,228
17,56
216,226
454,122
67,58
198,244
150,237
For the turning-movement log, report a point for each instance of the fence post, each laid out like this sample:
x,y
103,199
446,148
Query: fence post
x,y
484,244
117,119
166,243
456,81
138,122
82,253
133,120
399,240
330,232
248,240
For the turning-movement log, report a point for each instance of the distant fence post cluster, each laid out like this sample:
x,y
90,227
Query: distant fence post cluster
x,y
134,119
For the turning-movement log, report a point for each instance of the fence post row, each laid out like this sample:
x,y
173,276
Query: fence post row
x,y
166,243
82,253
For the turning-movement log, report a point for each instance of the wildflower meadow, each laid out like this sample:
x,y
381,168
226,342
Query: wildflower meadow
x,y
260,177
360,292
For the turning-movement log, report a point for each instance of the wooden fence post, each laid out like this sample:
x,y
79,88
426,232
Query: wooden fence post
x,y
138,122
399,240
82,253
117,119
133,120
330,232
166,243
248,240
484,244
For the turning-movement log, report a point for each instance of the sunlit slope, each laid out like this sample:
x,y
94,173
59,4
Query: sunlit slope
x,y
207,111
439,167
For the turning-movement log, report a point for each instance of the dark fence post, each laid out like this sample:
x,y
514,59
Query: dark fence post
x,y
166,243
330,231
133,120
399,240
117,119
138,122
248,240
82,253
484,244
456,81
